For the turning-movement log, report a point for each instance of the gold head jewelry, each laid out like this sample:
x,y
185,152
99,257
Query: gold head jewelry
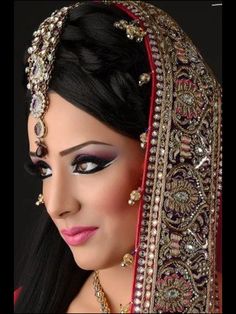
x,y
134,196
132,29
40,200
40,66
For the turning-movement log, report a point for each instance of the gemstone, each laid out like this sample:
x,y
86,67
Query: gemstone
x,y
154,232
157,117
181,197
162,152
150,263
151,255
172,294
137,301
41,151
157,199
187,98
140,269
154,223
40,129
157,109
148,294
142,253
189,247
199,150
147,304
137,309
30,50
149,280
155,208
37,69
139,285
141,261
37,105
139,277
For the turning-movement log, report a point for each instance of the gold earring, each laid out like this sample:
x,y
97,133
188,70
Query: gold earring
x,y
40,200
127,260
134,196
143,140
144,78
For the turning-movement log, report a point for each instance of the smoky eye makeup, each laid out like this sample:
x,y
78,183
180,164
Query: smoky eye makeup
x,y
88,163
39,169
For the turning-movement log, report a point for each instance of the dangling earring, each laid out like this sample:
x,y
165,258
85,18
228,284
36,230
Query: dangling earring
x,y
128,259
40,200
144,78
134,196
143,139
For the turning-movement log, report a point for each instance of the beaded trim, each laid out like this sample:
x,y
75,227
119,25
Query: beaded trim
x,y
175,263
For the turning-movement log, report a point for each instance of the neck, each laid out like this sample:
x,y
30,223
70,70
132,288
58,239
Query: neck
x,y
117,284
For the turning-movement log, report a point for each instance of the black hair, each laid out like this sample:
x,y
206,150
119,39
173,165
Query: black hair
x,y
97,69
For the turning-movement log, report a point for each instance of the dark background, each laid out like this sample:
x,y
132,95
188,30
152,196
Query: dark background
x,y
199,19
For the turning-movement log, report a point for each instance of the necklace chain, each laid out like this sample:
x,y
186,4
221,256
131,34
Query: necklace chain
x,y
101,297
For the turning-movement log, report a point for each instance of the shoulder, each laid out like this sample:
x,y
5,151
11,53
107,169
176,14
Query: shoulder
x,y
17,293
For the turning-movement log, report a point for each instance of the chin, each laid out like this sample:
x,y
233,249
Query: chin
x,y
88,262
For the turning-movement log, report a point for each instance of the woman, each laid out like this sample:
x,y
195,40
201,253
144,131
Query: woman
x,y
124,130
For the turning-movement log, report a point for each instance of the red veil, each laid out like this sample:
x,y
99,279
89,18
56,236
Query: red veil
x,y
176,263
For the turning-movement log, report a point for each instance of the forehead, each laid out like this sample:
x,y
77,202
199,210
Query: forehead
x,y
68,126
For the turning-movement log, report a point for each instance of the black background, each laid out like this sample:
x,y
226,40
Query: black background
x,y
199,19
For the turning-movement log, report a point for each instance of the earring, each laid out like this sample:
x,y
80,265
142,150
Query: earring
x,y
128,258
144,78
143,139
134,196
40,200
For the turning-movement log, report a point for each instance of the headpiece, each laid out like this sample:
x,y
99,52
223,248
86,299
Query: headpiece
x,y
40,66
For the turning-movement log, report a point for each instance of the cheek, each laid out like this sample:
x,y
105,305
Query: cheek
x,y
110,190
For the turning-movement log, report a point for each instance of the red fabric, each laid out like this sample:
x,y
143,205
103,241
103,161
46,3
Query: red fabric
x,y
16,294
219,241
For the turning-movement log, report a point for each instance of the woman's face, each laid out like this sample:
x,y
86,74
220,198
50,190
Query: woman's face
x,y
88,184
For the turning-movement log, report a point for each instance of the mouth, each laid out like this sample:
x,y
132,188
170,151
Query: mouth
x,y
78,235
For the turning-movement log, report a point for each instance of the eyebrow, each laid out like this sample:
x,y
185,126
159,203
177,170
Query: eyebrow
x,y
77,147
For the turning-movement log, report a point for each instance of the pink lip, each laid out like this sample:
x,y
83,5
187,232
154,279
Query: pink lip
x,y
78,235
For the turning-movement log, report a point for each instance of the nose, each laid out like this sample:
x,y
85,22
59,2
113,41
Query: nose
x,y
61,196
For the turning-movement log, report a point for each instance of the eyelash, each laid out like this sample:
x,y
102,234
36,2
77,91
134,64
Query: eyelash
x,y
35,169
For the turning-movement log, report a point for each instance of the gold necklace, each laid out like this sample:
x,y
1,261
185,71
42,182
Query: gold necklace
x,y
101,297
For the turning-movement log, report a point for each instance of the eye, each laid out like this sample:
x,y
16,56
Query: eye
x,y
44,171
39,169
85,164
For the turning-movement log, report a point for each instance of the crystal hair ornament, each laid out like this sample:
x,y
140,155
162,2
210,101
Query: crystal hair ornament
x,y
133,30
40,66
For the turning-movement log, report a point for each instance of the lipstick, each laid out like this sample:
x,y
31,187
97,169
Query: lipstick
x,y
78,235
